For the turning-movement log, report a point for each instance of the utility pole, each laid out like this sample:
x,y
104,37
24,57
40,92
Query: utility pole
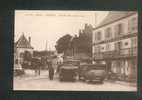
x,y
46,49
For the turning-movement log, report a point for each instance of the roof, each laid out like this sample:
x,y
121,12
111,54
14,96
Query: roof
x,y
114,16
23,43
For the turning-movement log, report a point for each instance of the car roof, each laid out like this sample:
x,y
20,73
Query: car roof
x,y
71,60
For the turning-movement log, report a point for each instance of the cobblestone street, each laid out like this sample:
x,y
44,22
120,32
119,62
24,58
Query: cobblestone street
x,y
42,82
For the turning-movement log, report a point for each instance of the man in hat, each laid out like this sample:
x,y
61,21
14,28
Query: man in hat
x,y
50,68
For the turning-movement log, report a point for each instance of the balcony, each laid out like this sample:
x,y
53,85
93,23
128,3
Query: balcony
x,y
116,38
116,54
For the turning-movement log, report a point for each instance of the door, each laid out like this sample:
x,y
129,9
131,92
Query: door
x,y
118,46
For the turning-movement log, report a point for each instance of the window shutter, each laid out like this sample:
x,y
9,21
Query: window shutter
x,y
116,30
129,26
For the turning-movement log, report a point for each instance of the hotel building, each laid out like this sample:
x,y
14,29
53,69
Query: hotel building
x,y
115,44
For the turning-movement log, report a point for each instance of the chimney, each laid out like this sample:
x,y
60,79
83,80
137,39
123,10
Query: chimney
x,y
30,40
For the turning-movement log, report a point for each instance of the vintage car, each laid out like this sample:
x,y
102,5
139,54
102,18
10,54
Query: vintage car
x,y
68,71
92,72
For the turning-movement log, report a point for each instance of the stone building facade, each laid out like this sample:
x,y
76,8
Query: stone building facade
x,y
20,47
115,44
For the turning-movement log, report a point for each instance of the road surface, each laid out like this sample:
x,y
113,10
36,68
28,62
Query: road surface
x,y
42,82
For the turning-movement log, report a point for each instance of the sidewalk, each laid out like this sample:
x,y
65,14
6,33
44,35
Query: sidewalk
x,y
30,74
123,83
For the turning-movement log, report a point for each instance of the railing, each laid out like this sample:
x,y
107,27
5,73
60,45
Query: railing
x,y
118,37
128,52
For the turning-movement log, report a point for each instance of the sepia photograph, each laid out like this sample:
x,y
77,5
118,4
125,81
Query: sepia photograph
x,y
73,50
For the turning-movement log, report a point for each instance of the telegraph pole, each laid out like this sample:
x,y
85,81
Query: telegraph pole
x,y
46,49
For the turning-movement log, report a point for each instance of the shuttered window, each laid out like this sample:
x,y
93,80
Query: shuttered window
x,y
108,33
133,25
134,42
98,35
107,47
119,29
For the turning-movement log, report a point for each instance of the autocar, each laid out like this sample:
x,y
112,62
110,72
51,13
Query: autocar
x,y
18,70
68,71
92,72
83,67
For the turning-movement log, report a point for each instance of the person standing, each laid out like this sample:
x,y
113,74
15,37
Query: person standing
x,y
59,63
51,69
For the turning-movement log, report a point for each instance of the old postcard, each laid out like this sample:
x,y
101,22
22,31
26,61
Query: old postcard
x,y
57,50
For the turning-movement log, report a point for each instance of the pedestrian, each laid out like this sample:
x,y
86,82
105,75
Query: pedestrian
x,y
59,63
51,69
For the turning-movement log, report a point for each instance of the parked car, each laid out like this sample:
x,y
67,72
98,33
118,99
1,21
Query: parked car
x,y
83,67
92,72
112,76
69,70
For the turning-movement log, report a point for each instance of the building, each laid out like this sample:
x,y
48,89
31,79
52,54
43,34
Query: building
x,y
22,46
115,44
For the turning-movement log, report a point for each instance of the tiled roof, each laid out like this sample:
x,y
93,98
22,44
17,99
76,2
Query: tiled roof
x,y
114,16
23,43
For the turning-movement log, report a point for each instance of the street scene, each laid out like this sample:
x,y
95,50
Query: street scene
x,y
75,50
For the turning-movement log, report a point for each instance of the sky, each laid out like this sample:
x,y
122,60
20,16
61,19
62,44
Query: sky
x,y
47,26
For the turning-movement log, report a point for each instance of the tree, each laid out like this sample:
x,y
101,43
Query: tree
x,y
63,43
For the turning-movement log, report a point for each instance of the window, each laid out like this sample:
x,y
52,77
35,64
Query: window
x,y
118,45
97,49
134,42
133,24
21,55
126,43
108,33
103,48
98,36
107,47
16,61
119,29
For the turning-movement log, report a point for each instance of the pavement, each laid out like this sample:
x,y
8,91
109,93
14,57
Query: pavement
x,y
30,81
123,83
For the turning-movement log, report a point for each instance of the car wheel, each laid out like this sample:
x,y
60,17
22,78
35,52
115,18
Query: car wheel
x,y
80,79
83,79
